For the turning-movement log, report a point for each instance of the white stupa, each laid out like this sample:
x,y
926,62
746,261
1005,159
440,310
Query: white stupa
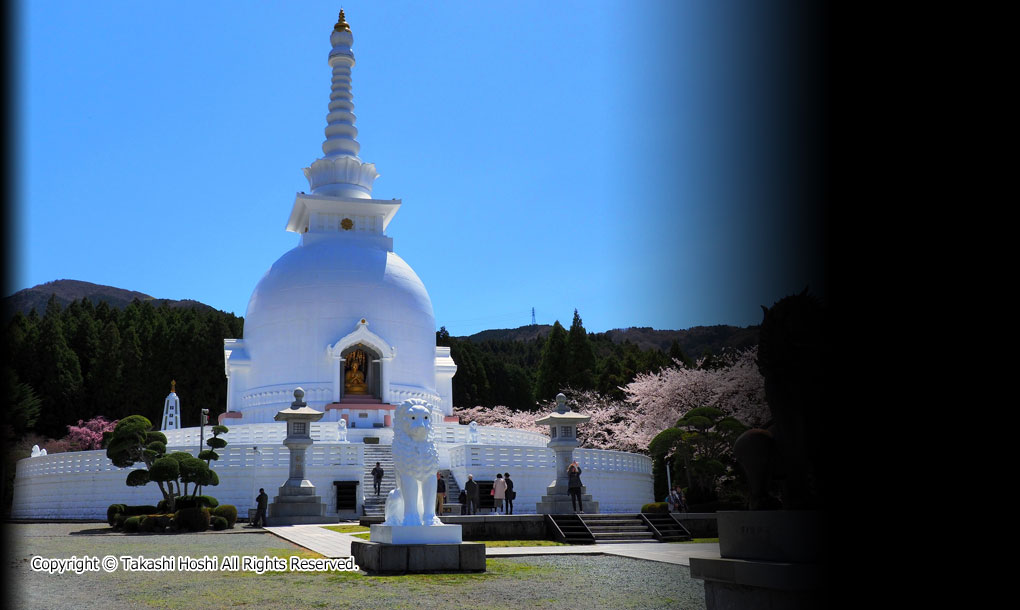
x,y
341,299
171,410
342,316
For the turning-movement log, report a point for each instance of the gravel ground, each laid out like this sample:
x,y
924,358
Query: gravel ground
x,y
511,582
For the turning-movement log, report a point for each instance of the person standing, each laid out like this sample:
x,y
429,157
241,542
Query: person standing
x,y
498,493
440,493
261,503
462,498
510,493
377,475
676,500
472,494
574,486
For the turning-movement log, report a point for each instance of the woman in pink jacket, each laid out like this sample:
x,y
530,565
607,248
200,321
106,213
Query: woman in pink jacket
x,y
499,493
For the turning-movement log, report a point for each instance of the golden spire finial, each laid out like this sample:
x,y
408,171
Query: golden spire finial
x,y
173,386
341,24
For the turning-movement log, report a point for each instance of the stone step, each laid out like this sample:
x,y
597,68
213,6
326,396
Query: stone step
x,y
623,535
619,528
613,522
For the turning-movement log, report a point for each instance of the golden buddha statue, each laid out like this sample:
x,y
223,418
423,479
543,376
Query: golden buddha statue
x,y
354,381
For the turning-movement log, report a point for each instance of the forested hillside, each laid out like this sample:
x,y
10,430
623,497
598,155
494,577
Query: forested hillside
x,y
520,367
85,360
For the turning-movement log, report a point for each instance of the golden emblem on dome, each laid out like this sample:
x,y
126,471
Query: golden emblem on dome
x,y
346,224
341,24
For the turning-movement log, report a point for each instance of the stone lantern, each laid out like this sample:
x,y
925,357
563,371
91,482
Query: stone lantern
x,y
297,502
563,425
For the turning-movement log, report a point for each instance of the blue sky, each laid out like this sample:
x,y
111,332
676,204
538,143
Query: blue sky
x,y
611,157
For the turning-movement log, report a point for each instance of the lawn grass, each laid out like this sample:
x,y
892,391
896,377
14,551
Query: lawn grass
x,y
551,582
346,529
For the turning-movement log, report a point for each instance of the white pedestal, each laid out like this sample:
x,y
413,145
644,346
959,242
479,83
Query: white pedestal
x,y
416,534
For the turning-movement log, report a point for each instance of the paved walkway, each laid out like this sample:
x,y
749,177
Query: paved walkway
x,y
334,544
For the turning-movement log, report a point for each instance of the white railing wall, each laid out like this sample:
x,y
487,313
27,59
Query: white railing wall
x,y
621,482
82,484
458,434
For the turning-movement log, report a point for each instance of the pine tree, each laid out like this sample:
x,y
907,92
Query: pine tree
x,y
553,373
675,353
105,378
60,389
580,357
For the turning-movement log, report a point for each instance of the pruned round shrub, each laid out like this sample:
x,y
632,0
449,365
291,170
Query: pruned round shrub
x,y
113,511
228,512
218,523
142,509
146,523
192,519
131,523
137,478
216,443
193,501
655,507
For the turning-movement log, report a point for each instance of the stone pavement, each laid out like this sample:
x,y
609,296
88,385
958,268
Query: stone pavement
x,y
334,544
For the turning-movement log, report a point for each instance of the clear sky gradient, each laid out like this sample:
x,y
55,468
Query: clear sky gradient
x,y
631,160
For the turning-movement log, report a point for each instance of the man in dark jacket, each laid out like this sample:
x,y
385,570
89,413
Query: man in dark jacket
x,y
574,486
472,494
440,493
377,475
261,503
510,493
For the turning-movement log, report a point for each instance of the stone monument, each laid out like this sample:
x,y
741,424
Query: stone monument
x,y
413,538
297,502
563,425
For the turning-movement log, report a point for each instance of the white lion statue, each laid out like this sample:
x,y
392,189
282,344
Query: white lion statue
x,y
415,461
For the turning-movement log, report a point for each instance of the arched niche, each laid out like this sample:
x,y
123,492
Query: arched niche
x,y
378,354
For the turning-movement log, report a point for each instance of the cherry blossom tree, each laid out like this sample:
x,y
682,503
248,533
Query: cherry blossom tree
x,y
88,435
654,402
735,387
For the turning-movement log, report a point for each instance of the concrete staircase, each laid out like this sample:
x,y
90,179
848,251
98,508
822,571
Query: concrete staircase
x,y
375,506
618,528
569,528
452,489
608,529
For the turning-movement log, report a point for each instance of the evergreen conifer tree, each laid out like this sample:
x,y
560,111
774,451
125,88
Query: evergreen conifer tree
x,y
552,367
580,357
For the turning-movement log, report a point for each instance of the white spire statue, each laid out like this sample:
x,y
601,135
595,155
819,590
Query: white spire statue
x,y
171,409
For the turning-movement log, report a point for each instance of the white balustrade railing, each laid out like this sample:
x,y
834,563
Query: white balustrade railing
x,y
457,434
612,461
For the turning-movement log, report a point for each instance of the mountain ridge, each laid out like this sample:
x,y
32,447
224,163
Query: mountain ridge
x,y
694,341
65,291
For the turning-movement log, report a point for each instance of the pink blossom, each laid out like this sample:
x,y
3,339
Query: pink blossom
x,y
88,435
655,401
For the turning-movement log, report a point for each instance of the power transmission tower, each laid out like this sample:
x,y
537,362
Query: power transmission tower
x,y
532,316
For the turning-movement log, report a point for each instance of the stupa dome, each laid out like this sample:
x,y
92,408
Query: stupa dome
x,y
318,293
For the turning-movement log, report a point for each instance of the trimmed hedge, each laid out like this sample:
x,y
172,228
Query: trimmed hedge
x,y
655,507
228,512
113,511
192,519
193,501
131,524
117,514
218,523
